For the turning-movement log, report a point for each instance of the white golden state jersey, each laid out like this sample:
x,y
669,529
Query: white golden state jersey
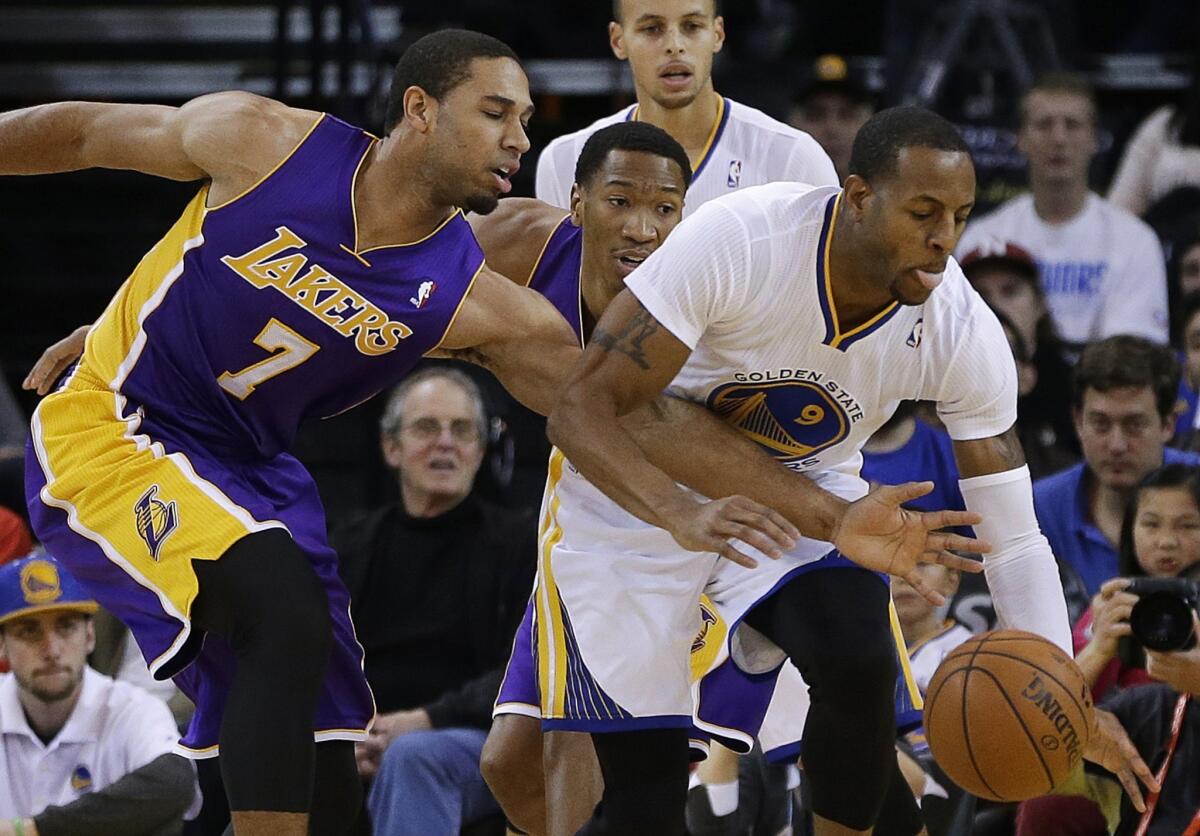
x,y
745,283
746,148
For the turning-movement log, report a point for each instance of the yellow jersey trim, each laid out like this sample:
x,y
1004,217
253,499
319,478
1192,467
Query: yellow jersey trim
x,y
839,336
914,693
537,262
458,309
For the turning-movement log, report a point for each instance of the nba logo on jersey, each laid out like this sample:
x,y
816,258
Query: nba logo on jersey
x,y
735,174
155,519
423,293
914,338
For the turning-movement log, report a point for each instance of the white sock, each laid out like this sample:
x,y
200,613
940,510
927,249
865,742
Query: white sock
x,y
722,797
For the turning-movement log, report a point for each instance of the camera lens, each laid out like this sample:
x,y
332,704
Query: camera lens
x,y
1163,621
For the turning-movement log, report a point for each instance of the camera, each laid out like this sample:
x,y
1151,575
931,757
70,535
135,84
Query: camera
x,y
1162,617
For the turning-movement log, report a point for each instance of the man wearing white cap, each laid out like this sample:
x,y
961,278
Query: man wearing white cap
x,y
79,752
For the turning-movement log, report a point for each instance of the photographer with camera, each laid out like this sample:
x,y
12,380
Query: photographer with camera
x,y
1142,627
1159,541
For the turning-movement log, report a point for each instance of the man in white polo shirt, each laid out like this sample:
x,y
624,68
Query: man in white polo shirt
x,y
79,753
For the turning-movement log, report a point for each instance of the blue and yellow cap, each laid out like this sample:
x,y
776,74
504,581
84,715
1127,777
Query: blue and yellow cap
x,y
39,583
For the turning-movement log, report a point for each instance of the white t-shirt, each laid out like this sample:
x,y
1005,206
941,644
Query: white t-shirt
x,y
1103,272
114,729
742,283
748,148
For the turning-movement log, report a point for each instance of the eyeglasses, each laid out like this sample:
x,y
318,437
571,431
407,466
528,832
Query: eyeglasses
x,y
424,430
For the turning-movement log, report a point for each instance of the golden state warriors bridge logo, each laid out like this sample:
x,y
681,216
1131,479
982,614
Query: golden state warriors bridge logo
x,y
40,583
792,419
155,519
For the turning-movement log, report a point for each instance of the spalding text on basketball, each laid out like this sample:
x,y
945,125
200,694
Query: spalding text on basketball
x,y
1037,693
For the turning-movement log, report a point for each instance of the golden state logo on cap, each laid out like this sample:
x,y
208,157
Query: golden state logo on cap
x,y
40,583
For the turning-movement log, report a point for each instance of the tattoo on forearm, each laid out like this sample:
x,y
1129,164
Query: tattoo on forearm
x,y
628,341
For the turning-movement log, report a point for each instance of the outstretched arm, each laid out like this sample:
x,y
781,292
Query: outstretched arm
x,y
231,138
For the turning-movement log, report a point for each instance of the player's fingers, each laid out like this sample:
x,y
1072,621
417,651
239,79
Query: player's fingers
x,y
1125,776
918,582
899,494
1121,629
943,541
728,552
758,530
933,520
952,561
765,519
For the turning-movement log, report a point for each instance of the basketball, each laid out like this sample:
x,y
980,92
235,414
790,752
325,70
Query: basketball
x,y
1007,715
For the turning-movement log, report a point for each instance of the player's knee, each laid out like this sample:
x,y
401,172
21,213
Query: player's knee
x,y
857,681
511,761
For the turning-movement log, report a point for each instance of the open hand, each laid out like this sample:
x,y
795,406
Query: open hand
x,y
710,526
877,533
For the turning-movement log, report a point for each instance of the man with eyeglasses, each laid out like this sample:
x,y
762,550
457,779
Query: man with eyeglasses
x,y
1123,406
438,582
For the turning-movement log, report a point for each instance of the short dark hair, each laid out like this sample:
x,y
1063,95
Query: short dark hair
x,y
616,12
879,142
629,136
437,63
1074,84
1125,360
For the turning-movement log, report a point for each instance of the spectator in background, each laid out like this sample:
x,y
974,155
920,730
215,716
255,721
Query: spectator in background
x,y
1160,538
1123,401
1102,269
1188,263
1186,437
1163,154
438,583
1006,276
832,105
79,753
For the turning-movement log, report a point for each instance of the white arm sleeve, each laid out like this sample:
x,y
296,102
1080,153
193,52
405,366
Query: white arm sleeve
x,y
1020,570
700,275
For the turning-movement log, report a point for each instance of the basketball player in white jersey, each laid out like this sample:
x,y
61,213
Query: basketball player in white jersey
x,y
803,316
670,45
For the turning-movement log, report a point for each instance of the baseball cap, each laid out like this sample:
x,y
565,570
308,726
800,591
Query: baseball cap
x,y
994,252
39,583
831,74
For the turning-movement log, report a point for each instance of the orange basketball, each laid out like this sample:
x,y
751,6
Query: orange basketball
x,y
1007,715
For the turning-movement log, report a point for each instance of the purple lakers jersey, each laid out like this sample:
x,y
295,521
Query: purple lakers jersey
x,y
556,274
251,316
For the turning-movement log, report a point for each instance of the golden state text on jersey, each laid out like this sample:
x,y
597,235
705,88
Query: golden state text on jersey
x,y
792,413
